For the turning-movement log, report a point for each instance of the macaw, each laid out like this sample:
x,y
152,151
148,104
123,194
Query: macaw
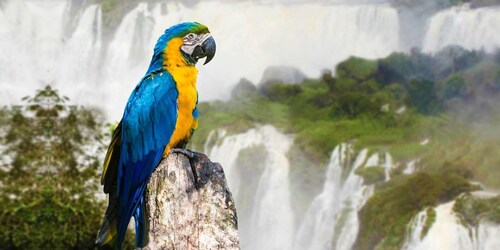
x,y
161,114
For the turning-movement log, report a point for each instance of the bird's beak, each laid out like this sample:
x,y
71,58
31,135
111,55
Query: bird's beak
x,y
205,49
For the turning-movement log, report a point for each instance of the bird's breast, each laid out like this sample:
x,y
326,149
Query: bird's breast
x,y
185,79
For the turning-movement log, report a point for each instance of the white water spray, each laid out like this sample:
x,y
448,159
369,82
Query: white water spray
x,y
37,48
44,42
448,233
270,218
469,28
332,222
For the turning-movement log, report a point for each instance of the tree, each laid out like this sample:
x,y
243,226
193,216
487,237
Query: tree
x,y
49,172
454,87
423,96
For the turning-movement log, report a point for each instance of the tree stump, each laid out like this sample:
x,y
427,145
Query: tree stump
x,y
189,206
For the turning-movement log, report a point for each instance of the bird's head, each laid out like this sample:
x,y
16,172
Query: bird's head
x,y
197,42
184,43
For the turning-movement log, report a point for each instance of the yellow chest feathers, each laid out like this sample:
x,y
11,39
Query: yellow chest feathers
x,y
185,79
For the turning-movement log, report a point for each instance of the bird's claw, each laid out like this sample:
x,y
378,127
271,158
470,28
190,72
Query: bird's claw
x,y
191,157
188,153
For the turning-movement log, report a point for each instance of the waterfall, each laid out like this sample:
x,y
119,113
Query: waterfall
x,y
447,232
331,221
49,42
265,213
316,230
416,228
266,218
257,171
44,42
35,50
464,26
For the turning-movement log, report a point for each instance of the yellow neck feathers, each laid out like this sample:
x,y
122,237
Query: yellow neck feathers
x,y
176,65
185,79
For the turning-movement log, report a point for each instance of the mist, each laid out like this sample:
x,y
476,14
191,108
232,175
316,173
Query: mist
x,y
96,59
339,124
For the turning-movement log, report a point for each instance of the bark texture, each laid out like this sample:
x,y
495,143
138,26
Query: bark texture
x,y
189,206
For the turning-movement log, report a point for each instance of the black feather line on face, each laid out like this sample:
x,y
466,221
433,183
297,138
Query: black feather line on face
x,y
189,59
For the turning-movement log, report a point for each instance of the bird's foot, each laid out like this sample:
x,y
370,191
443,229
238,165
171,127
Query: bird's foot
x,y
188,153
191,157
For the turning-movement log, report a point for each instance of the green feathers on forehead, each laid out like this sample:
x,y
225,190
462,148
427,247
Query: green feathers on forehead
x,y
183,29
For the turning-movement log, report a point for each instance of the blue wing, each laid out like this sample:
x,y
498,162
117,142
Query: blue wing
x,y
147,125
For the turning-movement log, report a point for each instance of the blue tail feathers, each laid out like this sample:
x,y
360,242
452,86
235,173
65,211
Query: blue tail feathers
x,y
140,224
131,194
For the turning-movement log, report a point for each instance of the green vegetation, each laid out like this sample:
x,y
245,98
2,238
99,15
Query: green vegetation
x,y
237,116
473,209
371,175
49,174
391,105
387,213
317,111
108,5
429,221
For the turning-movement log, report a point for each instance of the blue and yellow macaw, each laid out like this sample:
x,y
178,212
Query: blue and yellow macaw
x,y
161,114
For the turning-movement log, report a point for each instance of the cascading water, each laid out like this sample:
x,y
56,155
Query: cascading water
x,y
448,232
43,42
416,228
464,26
263,198
266,217
331,221
48,42
316,231
35,50
269,217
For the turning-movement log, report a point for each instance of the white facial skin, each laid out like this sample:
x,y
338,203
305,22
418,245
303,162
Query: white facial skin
x,y
192,40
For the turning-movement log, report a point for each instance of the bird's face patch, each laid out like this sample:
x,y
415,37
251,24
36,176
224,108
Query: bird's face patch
x,y
196,46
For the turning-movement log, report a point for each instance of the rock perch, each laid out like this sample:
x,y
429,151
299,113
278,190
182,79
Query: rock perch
x,y
189,206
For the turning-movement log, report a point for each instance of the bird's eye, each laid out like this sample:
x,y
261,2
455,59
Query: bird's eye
x,y
191,36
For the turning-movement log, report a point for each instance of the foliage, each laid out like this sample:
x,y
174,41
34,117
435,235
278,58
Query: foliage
x,y
429,221
422,95
281,92
401,68
388,212
357,68
473,209
371,175
237,116
392,103
464,147
49,174
455,86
